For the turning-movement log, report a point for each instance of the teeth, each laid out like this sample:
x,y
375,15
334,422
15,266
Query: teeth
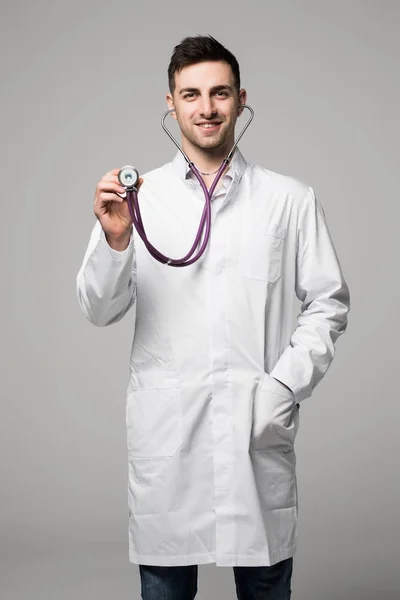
x,y
209,125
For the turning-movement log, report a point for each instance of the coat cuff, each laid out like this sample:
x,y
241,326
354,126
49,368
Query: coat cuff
x,y
117,254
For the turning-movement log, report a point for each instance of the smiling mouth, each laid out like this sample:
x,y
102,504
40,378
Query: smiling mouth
x,y
208,125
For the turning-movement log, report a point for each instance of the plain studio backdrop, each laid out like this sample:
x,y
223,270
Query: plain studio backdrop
x,y
82,91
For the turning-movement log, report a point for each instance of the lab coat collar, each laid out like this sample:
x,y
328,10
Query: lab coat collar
x,y
236,168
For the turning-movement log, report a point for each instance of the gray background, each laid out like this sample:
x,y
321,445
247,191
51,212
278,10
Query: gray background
x,y
83,87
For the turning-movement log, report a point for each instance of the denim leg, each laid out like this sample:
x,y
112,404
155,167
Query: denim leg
x,y
264,583
168,583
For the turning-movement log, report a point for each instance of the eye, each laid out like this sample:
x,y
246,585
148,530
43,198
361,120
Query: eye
x,y
222,93
189,95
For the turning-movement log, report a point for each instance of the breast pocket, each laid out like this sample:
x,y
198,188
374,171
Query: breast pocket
x,y
261,254
153,415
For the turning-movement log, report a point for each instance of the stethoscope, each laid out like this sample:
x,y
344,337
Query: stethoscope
x,y
128,177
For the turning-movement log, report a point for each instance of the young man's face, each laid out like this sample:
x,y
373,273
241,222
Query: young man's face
x,y
206,105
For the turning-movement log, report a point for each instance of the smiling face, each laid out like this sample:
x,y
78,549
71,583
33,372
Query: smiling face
x,y
206,104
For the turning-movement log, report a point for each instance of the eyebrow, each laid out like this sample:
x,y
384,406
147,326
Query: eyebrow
x,y
216,88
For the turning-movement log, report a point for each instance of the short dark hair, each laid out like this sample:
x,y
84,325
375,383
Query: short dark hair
x,y
200,48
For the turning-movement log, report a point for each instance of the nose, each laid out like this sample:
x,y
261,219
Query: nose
x,y
207,108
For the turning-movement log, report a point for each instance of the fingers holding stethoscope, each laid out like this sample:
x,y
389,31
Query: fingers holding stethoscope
x,y
109,188
110,205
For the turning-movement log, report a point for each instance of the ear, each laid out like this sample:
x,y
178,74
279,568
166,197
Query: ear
x,y
170,104
242,100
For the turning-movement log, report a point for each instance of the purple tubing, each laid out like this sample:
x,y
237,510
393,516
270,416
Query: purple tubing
x,y
133,206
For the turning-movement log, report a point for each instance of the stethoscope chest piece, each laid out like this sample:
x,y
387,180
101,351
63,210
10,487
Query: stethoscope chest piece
x,y
128,176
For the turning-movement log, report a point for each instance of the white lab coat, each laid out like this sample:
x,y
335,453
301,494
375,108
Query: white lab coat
x,y
210,431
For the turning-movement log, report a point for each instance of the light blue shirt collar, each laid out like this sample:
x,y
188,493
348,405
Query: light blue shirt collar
x,y
236,169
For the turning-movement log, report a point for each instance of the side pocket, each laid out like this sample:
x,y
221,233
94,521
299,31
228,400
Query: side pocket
x,y
275,417
154,416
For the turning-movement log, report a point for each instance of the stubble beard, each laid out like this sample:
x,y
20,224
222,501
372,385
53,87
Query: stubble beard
x,y
208,144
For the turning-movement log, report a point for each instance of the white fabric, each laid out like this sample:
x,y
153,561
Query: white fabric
x,y
211,423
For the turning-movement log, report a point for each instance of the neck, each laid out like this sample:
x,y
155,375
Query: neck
x,y
206,161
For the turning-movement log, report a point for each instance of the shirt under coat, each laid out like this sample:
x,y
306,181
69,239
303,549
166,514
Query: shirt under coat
x,y
210,427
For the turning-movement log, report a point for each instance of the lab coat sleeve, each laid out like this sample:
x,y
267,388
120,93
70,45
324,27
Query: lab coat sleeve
x,y
325,297
106,282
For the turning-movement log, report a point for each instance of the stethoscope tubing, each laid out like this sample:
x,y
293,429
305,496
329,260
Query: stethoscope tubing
x,y
133,205
134,210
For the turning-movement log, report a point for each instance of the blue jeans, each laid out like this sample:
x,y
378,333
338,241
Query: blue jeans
x,y
252,583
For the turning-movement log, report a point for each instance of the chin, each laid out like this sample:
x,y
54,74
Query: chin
x,y
211,144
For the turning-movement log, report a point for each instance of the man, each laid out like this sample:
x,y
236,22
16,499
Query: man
x,y
217,371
